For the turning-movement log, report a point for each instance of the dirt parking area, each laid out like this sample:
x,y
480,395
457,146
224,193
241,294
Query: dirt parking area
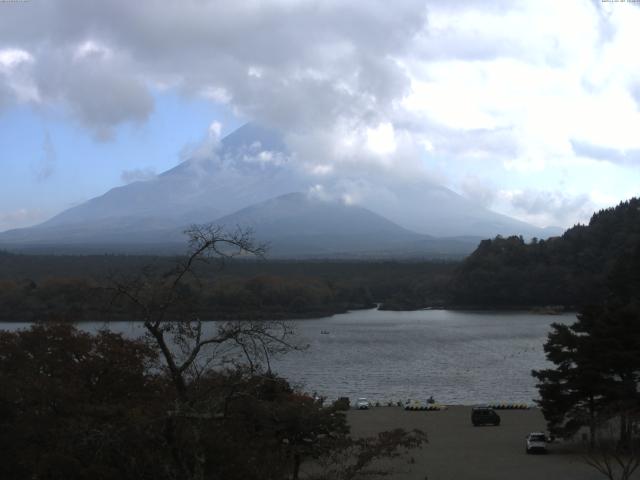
x,y
457,450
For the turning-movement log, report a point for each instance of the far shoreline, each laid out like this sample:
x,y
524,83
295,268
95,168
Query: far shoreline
x,y
551,310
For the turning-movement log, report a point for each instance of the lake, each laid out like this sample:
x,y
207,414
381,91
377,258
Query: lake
x,y
459,357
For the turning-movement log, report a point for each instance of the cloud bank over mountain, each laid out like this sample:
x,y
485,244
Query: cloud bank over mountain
x,y
503,93
249,180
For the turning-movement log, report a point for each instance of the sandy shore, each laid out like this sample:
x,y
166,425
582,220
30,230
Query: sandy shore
x,y
457,450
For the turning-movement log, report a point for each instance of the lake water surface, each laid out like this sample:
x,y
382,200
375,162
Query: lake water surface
x,y
458,357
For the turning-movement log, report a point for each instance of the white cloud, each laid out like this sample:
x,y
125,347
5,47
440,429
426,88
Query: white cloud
x,y
137,175
318,192
12,57
215,130
282,63
381,140
478,190
520,92
255,72
22,217
15,76
217,94
90,48
550,207
321,169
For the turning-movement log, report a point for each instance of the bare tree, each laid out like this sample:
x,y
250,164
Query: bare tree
x,y
359,458
189,347
614,459
192,349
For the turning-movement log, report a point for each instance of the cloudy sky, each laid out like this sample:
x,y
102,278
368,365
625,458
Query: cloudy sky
x,y
530,108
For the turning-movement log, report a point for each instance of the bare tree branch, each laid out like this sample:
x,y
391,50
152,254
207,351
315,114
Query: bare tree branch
x,y
182,344
610,457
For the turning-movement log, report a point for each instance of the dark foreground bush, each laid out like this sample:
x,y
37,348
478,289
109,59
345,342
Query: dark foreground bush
x,y
343,403
101,407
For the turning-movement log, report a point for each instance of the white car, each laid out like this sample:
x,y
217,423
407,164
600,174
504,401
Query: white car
x,y
536,442
362,404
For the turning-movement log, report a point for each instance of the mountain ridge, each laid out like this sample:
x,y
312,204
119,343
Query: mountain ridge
x,y
251,168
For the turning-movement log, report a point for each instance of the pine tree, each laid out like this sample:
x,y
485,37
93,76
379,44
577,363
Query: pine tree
x,y
572,394
597,360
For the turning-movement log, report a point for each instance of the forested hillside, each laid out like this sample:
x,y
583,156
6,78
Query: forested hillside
x,y
570,270
80,287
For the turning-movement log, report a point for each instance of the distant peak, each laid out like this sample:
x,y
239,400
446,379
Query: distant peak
x,y
252,133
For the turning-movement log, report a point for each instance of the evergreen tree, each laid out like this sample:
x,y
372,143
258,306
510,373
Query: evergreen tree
x,y
572,394
597,360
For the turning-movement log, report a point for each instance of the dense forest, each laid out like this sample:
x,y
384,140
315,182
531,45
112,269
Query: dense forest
x,y
569,271
80,288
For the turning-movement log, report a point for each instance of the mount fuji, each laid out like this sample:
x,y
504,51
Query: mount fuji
x,y
250,180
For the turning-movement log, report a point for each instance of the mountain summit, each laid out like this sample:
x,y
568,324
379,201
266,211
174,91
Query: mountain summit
x,y
249,179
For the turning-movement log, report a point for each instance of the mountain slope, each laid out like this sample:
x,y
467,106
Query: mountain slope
x,y
197,190
435,210
297,224
250,167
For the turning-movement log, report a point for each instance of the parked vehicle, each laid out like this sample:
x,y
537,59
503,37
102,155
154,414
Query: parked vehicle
x,y
362,404
484,416
536,442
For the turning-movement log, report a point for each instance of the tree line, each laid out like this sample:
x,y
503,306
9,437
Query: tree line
x,y
76,288
570,270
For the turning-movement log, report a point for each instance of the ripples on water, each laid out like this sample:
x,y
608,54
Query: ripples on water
x,y
458,357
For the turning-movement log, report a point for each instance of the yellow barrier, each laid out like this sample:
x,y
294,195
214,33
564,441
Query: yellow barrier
x,y
509,406
424,408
